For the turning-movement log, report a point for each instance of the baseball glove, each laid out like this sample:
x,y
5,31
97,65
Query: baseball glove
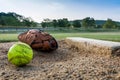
x,y
38,40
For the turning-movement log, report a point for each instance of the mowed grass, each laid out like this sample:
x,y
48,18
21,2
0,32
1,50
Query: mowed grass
x,y
112,36
8,37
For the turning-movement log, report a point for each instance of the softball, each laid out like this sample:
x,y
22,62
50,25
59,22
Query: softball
x,y
20,54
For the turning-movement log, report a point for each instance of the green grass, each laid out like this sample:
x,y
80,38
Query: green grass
x,y
103,36
8,37
112,36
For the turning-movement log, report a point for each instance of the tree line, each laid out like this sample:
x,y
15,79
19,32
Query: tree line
x,y
14,19
87,22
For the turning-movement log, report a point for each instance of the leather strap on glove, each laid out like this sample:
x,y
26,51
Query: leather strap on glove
x,y
39,40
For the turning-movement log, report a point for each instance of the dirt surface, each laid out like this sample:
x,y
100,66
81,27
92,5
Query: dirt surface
x,y
66,63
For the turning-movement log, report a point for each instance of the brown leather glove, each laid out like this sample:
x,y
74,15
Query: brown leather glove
x,y
39,40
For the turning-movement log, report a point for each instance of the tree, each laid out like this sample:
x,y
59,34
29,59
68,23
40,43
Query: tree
x,y
63,22
110,24
55,23
47,23
26,22
2,21
76,23
13,19
88,22
44,24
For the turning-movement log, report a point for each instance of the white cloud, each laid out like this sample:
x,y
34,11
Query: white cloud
x,y
55,6
37,11
53,9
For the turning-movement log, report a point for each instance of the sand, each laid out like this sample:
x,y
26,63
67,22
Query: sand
x,y
66,63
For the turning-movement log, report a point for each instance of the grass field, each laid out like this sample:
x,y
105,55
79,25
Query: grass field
x,y
112,36
8,37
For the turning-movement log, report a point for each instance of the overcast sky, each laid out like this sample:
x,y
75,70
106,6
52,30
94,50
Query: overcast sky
x,y
71,9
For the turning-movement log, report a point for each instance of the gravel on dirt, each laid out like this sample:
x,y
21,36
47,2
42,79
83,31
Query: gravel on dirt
x,y
66,63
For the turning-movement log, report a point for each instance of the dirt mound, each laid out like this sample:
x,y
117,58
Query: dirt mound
x,y
66,63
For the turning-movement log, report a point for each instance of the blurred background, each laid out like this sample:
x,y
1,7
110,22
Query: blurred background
x,y
97,19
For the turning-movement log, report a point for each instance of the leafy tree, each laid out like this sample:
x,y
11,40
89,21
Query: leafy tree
x,y
55,23
34,24
44,24
110,24
63,22
13,19
76,23
47,23
2,21
88,22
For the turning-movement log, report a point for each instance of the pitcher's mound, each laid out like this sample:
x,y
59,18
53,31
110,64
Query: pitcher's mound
x,y
66,63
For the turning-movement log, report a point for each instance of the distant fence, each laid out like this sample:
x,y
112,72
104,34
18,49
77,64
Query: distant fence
x,y
58,29
5,30
18,30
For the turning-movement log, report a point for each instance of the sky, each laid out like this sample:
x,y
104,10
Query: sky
x,y
57,9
